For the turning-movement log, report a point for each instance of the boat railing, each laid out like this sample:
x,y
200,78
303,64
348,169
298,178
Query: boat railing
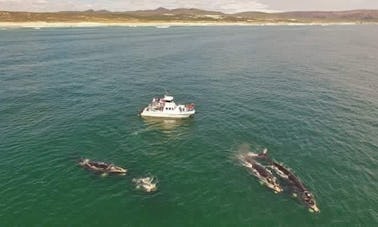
x,y
190,106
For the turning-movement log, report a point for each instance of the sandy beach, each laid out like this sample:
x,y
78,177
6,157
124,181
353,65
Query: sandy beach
x,y
152,24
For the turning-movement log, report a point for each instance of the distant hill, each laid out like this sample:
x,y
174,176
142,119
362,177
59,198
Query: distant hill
x,y
179,12
193,15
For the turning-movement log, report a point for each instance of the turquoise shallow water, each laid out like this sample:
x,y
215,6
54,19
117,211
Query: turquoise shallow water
x,y
307,93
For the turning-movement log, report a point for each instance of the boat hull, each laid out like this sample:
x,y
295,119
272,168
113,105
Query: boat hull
x,y
167,115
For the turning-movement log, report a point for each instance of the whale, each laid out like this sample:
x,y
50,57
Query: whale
x,y
298,186
287,175
101,167
262,173
263,155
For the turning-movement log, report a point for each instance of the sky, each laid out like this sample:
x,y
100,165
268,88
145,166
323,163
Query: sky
x,y
227,6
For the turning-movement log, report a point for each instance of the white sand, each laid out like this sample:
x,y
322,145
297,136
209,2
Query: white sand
x,y
138,24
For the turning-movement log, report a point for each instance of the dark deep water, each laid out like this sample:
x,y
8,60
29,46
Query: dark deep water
x,y
307,93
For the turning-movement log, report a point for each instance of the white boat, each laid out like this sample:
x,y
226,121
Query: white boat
x,y
167,108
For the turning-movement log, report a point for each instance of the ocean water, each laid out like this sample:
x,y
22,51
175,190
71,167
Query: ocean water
x,y
309,94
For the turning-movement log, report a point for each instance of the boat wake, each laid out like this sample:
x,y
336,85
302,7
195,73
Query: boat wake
x,y
140,131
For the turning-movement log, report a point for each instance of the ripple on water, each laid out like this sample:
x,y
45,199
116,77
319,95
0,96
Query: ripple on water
x,y
73,93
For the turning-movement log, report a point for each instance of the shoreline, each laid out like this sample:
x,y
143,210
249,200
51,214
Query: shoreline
x,y
158,24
